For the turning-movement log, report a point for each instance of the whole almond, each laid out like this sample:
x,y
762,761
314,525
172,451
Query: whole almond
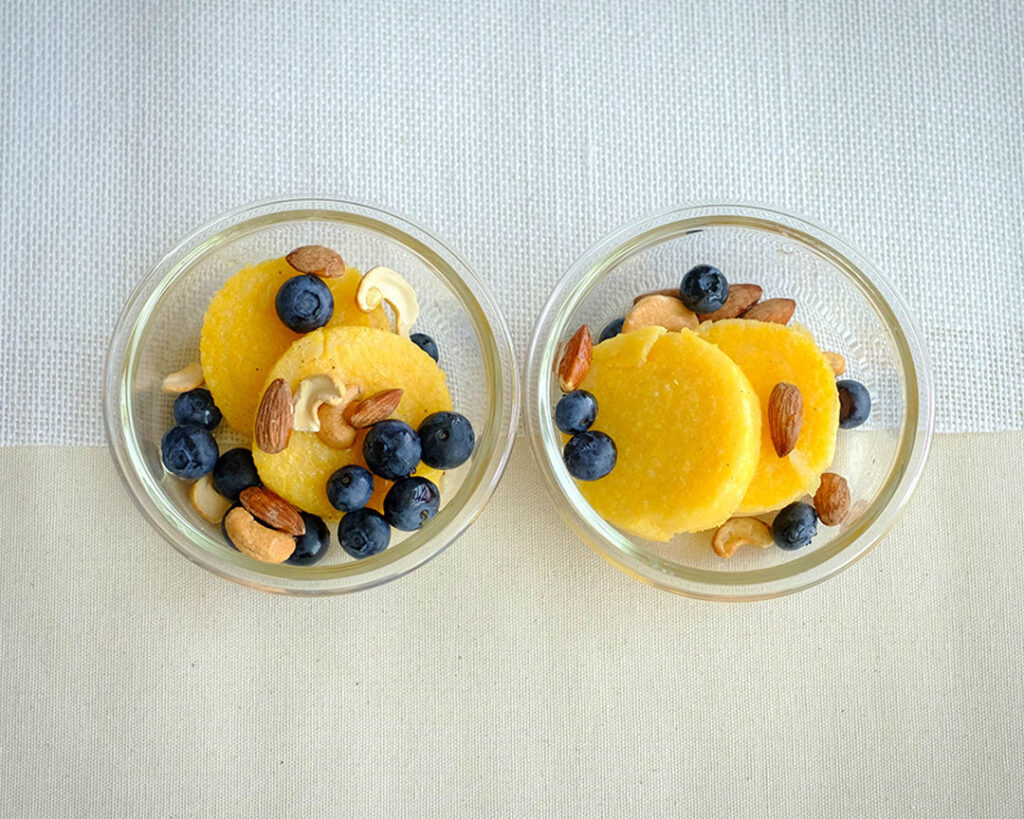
x,y
660,311
273,510
776,311
668,291
366,413
741,298
832,500
836,362
785,417
316,259
274,418
254,539
575,361
335,430
737,532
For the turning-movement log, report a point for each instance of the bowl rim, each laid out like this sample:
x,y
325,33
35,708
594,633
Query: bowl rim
x,y
615,546
499,363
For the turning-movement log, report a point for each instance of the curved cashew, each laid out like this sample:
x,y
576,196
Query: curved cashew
x,y
384,284
313,393
187,378
736,532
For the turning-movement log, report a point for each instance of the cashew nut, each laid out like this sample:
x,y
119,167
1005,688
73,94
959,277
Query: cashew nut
x,y
737,532
384,284
187,378
252,538
207,501
314,392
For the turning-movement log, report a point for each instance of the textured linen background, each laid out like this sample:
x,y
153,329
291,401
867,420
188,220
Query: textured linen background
x,y
516,675
521,133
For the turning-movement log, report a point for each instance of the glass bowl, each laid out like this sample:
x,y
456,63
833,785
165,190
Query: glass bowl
x,y
158,333
848,307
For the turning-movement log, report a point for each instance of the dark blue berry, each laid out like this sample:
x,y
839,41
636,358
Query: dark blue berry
x,y
447,440
234,472
704,289
392,449
575,411
590,455
854,403
364,533
304,303
795,526
425,343
611,329
410,503
311,546
196,407
350,488
188,451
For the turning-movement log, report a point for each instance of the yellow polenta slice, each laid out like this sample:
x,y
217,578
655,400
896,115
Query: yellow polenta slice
x,y
768,354
242,335
687,426
373,359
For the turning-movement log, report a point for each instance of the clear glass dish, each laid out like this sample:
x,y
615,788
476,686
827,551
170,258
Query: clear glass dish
x,y
848,307
158,332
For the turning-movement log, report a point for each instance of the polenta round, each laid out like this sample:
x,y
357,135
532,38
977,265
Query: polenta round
x,y
687,426
242,335
767,354
374,360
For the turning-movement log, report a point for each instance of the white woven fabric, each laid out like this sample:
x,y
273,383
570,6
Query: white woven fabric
x,y
521,132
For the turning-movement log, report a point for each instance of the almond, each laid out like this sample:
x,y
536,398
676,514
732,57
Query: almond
x,y
187,378
668,291
785,417
737,532
377,407
316,259
274,418
776,311
660,311
741,298
575,361
836,362
335,430
832,500
273,510
254,539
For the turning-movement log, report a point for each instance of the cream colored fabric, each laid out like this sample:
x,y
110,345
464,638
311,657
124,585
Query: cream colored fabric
x,y
516,675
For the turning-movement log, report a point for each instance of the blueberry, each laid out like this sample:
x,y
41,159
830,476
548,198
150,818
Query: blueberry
x,y
304,303
364,533
575,411
350,488
410,503
196,407
312,546
704,289
188,451
447,440
854,403
795,526
392,449
611,329
234,472
425,343
590,455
